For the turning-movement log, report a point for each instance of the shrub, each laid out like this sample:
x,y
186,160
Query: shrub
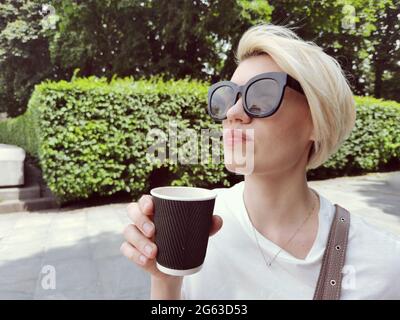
x,y
373,143
90,135
22,131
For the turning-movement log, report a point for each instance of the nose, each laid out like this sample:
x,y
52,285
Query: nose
x,y
236,112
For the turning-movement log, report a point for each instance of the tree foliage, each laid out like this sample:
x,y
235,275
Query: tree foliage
x,y
185,38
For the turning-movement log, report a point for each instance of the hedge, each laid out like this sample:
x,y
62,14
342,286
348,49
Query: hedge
x,y
90,136
22,131
373,144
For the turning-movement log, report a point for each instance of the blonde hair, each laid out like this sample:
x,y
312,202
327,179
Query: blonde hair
x,y
328,93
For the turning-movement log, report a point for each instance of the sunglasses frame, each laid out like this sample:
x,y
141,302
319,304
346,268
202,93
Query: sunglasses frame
x,y
282,79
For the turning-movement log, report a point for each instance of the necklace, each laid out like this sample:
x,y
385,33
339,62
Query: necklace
x,y
268,264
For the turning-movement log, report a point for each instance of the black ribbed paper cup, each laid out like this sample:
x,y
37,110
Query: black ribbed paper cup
x,y
182,218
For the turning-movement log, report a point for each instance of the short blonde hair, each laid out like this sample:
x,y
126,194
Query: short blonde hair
x,y
328,93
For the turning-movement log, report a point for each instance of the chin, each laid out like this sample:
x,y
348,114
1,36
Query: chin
x,y
243,169
238,160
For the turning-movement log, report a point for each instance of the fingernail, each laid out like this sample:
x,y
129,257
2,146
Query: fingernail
x,y
142,259
147,205
148,249
147,227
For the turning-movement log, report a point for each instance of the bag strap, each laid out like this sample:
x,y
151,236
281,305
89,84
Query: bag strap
x,y
330,277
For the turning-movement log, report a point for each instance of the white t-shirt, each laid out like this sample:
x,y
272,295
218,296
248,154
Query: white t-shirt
x,y
234,267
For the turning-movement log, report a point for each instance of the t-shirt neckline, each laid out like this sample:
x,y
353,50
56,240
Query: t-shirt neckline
x,y
270,248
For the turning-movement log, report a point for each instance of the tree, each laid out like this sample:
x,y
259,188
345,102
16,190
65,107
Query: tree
x,y
175,38
363,35
24,54
182,38
186,38
385,41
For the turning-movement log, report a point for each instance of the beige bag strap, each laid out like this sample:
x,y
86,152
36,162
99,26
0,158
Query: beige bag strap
x,y
330,277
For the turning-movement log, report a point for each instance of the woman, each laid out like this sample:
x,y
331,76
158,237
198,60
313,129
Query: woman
x,y
272,229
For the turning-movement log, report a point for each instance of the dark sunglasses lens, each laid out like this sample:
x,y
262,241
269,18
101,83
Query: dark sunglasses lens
x,y
221,100
262,96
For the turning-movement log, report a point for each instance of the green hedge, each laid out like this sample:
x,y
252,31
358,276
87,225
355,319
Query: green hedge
x,y
90,136
374,143
22,131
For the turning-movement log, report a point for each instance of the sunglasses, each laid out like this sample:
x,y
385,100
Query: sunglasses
x,y
261,95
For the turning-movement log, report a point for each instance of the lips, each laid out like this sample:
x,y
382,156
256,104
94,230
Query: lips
x,y
232,136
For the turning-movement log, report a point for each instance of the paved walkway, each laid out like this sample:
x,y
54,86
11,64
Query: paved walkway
x,y
82,245
375,196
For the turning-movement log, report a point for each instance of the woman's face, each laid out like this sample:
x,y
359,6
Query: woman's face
x,y
282,140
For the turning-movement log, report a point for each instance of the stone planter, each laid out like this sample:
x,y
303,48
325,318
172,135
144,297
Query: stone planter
x,y
11,165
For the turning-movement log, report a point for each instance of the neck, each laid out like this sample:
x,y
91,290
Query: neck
x,y
279,200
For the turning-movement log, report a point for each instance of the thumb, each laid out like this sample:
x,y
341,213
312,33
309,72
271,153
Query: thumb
x,y
216,224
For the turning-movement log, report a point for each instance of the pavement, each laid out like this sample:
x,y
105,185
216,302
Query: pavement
x,y
81,246
74,253
375,197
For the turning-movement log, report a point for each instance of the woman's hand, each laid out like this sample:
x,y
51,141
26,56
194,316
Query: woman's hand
x,y
139,246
